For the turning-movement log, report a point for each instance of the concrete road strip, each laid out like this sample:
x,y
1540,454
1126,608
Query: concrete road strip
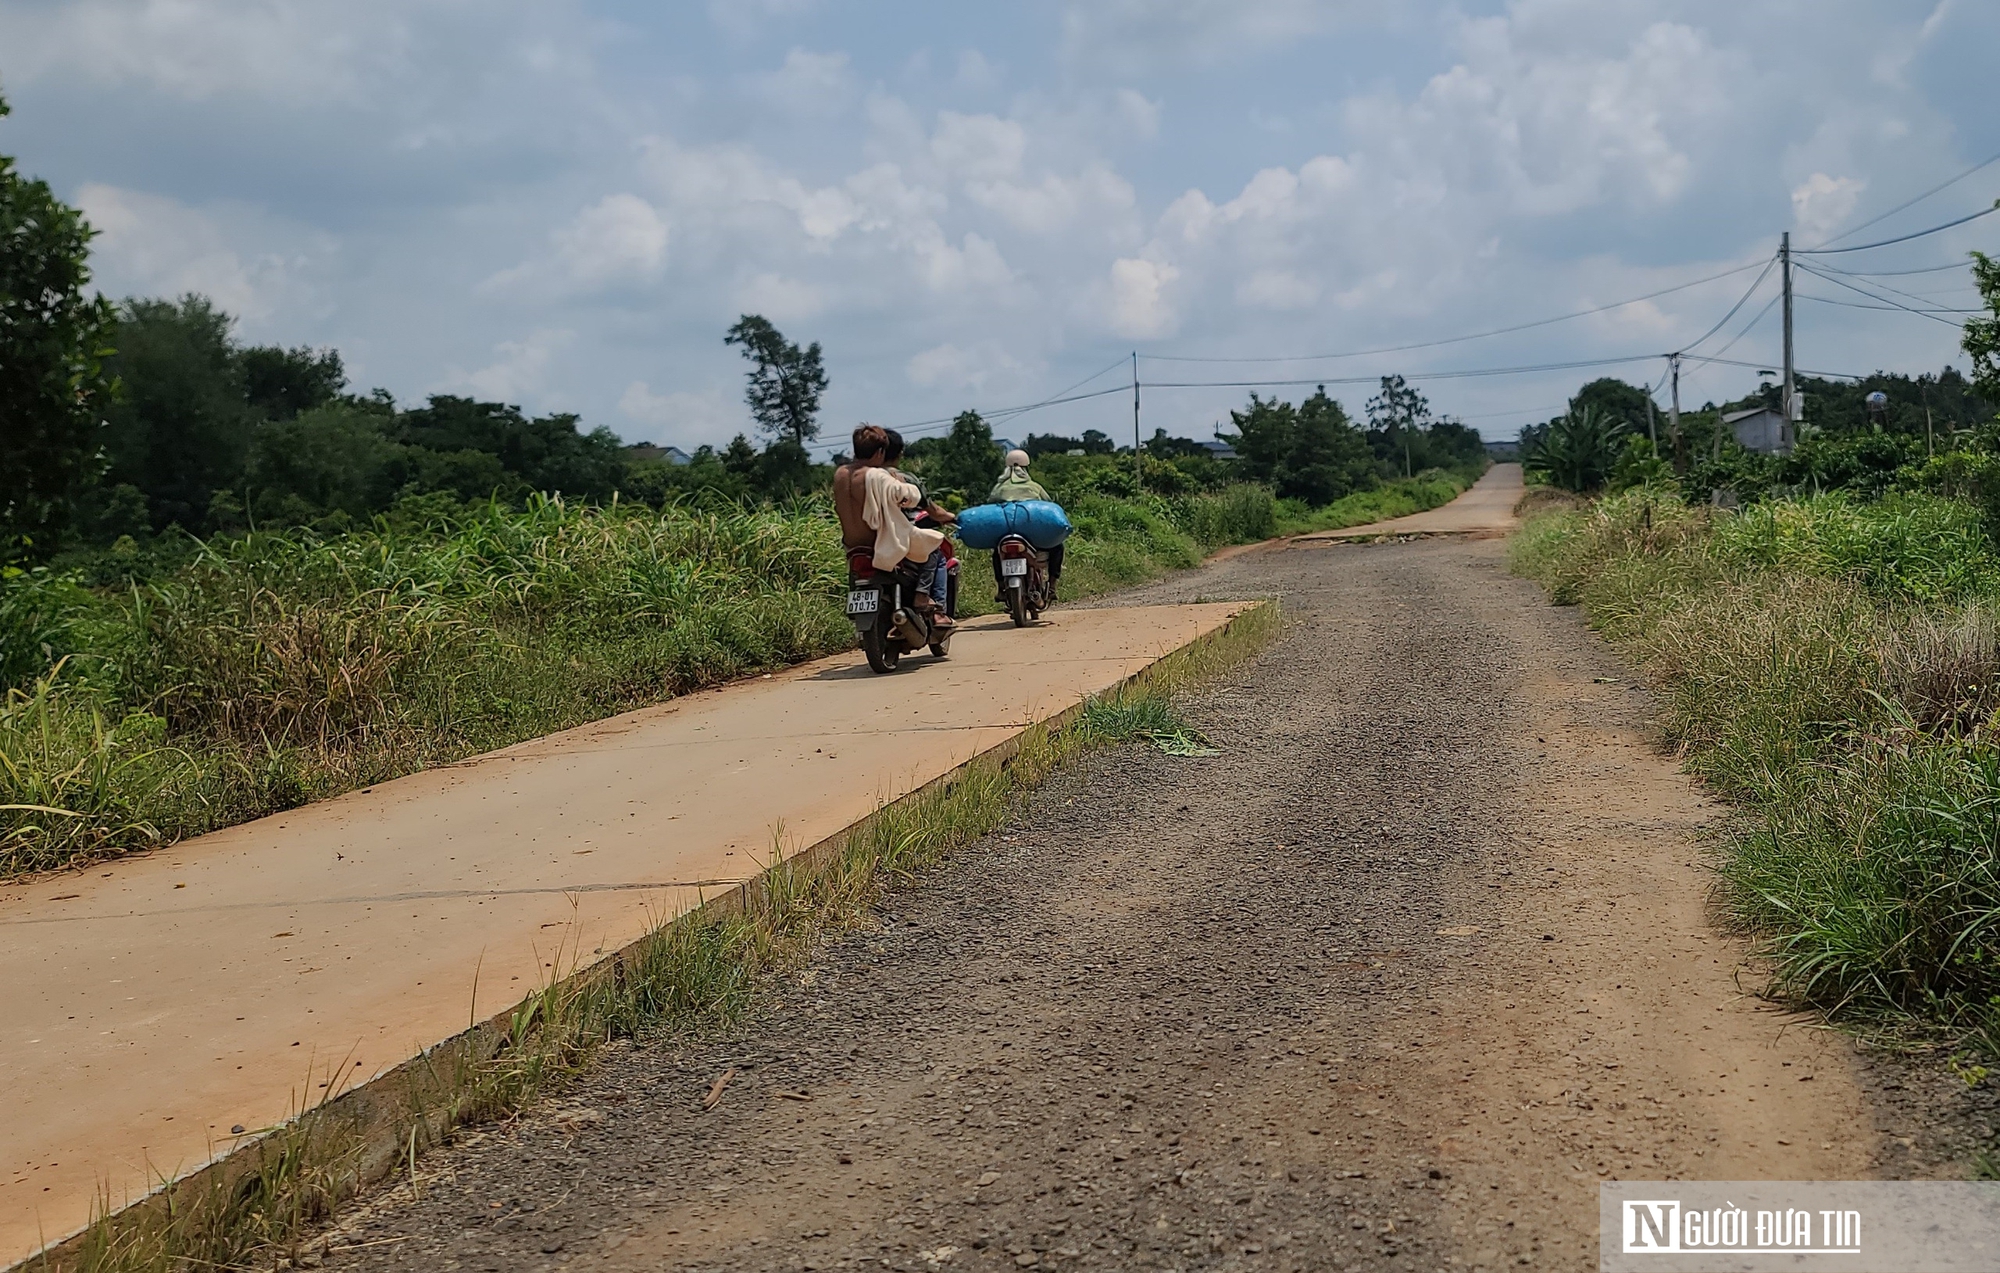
x,y
152,1005
1487,508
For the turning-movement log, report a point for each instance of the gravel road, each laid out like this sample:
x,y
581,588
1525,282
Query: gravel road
x,y
1389,983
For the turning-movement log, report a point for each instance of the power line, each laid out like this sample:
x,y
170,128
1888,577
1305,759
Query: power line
x,y
1755,284
1704,359
1908,204
1875,296
1828,300
1421,375
1928,269
1902,238
1454,340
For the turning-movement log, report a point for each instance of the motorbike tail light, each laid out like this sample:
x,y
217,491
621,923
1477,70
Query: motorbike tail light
x,y
1013,548
861,561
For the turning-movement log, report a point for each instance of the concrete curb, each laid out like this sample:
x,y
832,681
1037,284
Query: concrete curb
x,y
362,1134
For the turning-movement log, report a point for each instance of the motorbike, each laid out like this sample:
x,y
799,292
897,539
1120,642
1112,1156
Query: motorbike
x,y
1024,579
882,605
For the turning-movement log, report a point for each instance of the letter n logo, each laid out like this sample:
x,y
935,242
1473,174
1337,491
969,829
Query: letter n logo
x,y
1652,1227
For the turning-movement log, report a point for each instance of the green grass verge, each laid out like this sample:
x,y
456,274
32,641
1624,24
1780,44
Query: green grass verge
x,y
1831,667
696,974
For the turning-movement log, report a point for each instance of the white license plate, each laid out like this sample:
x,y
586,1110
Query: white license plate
x,y
1013,566
863,601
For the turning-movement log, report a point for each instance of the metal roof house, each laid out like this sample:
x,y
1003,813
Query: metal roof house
x,y
1761,429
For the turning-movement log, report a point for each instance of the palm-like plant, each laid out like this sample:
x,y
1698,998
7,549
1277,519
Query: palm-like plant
x,y
1576,451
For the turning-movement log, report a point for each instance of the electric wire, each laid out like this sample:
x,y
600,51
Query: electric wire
x,y
1455,340
1828,300
1928,269
1911,203
1901,238
1875,296
1740,301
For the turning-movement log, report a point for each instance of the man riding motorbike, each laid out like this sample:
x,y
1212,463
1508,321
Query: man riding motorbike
x,y
870,500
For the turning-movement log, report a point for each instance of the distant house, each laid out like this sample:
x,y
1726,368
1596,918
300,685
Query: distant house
x,y
1004,445
647,453
1761,429
1217,448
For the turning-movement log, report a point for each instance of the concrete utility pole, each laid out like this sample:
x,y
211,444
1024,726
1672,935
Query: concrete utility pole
x,y
1785,261
1652,431
1674,416
1138,459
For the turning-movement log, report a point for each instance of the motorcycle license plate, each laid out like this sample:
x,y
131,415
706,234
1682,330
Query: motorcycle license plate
x,y
863,601
1013,566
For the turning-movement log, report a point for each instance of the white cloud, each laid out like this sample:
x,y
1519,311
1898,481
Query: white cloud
x,y
947,366
1821,203
1277,289
619,240
520,369
1056,203
1139,112
679,415
808,83
979,147
1139,305
780,299
975,73
749,19
1139,33
148,244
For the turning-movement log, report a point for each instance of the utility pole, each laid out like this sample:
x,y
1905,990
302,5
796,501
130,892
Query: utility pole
x,y
1138,458
1652,431
1674,414
1923,386
1790,399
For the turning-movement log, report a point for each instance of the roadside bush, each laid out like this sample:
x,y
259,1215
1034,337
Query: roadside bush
x,y
1834,668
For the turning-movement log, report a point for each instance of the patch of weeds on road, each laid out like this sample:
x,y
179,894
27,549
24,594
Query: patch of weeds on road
x,y
265,1206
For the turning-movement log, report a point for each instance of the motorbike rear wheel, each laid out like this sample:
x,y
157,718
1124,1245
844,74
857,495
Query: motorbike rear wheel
x,y
883,656
1017,605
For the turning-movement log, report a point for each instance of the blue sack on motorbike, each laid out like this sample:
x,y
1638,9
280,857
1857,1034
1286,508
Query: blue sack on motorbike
x,y
1041,522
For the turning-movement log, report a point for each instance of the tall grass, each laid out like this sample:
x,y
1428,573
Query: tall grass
x,y
270,670
276,669
1831,666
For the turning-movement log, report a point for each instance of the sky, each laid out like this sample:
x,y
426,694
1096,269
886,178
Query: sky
x,y
565,203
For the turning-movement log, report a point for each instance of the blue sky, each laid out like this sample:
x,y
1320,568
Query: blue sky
x,y
564,204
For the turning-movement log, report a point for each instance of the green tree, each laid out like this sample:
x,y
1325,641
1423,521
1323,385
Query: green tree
x,y
1327,458
1614,400
966,459
785,382
1265,433
546,453
181,431
331,462
1577,451
53,382
1982,332
280,383
1397,417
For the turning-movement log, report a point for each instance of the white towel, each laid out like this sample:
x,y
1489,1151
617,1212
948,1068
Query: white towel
x,y
896,540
